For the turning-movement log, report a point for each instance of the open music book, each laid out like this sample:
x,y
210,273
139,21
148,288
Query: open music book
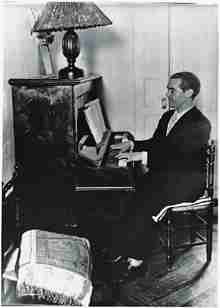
x,y
99,131
200,203
89,152
95,120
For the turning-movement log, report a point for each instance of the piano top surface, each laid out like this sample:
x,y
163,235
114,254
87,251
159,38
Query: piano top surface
x,y
38,81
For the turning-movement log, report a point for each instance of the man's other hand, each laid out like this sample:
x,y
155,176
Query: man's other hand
x,y
123,146
132,156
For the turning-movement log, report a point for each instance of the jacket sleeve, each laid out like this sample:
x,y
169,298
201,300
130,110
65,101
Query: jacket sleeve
x,y
146,145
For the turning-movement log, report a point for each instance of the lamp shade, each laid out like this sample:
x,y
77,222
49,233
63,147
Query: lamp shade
x,y
60,16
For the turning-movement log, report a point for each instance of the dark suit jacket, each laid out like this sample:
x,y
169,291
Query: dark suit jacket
x,y
177,174
177,161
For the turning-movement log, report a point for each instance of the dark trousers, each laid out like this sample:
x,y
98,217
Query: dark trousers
x,y
135,234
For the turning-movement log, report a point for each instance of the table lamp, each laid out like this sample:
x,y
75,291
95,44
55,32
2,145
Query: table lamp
x,y
69,16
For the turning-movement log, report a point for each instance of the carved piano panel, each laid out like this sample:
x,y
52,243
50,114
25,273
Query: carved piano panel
x,y
49,122
46,119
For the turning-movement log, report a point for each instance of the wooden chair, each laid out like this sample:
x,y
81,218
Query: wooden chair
x,y
198,215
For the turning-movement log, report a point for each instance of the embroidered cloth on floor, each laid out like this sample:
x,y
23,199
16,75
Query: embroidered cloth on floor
x,y
55,267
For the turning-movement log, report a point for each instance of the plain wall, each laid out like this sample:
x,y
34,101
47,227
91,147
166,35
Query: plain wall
x,y
136,54
20,58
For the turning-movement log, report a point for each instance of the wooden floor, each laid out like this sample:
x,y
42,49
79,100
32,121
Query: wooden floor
x,y
188,283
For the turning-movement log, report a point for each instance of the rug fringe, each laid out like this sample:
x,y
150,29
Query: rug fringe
x,y
41,293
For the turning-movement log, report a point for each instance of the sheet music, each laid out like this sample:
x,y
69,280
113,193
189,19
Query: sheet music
x,y
95,119
89,153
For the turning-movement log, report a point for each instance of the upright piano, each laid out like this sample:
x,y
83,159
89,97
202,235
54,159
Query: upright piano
x,y
59,150
64,121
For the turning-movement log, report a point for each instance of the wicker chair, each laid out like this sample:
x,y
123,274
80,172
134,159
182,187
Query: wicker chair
x,y
195,217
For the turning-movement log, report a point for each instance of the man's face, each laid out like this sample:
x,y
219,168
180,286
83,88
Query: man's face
x,y
175,94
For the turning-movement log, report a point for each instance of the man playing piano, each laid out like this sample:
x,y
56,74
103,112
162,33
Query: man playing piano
x,y
175,157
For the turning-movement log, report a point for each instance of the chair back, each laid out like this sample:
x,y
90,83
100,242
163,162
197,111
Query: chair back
x,y
210,164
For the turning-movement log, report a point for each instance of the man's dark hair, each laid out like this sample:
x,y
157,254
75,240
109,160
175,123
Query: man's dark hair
x,y
188,81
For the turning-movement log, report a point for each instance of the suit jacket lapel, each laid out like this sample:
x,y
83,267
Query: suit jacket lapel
x,y
165,124
188,116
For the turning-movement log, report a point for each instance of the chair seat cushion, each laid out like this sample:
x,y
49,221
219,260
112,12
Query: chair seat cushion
x,y
202,203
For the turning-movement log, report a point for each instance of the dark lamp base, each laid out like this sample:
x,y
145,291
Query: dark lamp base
x,y
67,73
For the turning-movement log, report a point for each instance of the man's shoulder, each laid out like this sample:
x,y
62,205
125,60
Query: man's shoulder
x,y
199,115
199,120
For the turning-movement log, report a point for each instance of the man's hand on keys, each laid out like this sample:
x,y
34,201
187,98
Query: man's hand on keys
x,y
132,156
123,146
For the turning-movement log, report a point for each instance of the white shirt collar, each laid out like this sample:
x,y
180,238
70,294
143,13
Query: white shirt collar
x,y
180,114
175,118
